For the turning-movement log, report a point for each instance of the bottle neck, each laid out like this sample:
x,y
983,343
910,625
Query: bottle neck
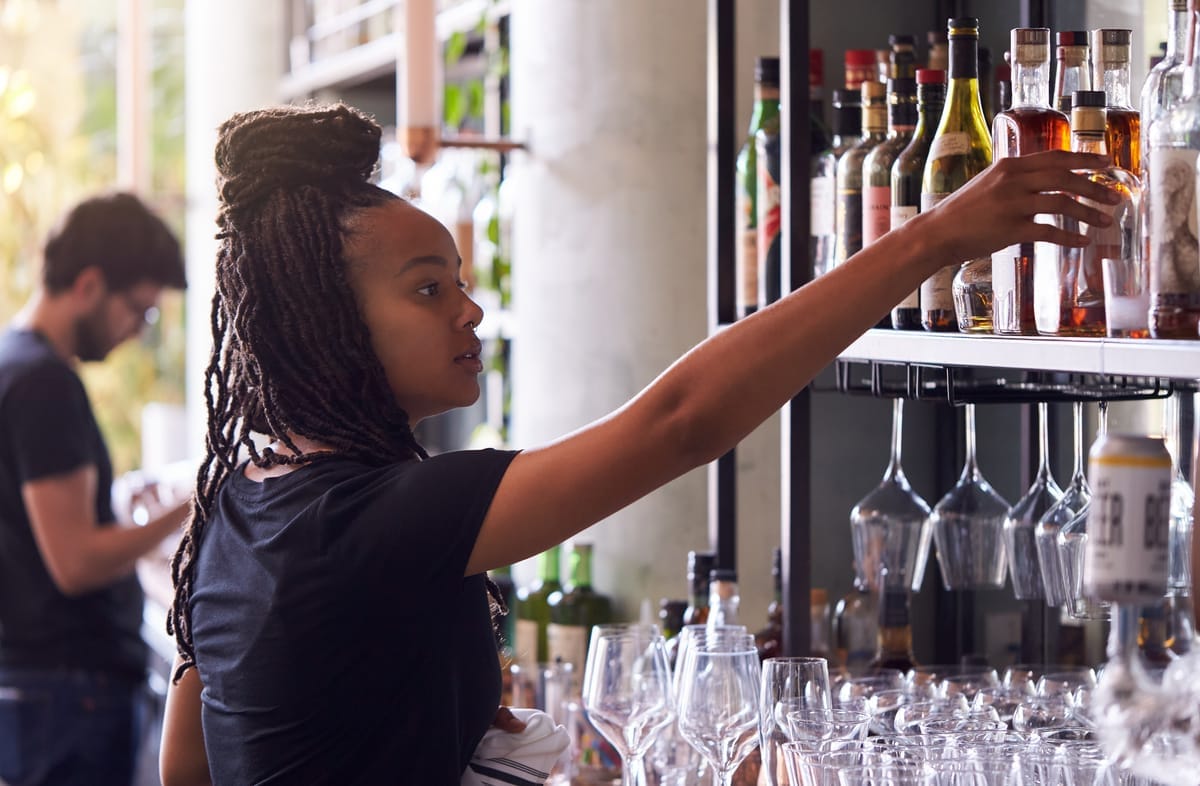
x,y
1191,75
1116,84
581,567
895,629
902,111
548,565
1177,30
1031,84
766,105
1072,72
874,119
1089,142
963,91
930,101
723,602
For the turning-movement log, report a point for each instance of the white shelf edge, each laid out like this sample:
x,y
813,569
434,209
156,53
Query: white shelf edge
x,y
1129,357
353,66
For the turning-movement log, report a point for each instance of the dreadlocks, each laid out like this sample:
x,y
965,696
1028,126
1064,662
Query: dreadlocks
x,y
291,354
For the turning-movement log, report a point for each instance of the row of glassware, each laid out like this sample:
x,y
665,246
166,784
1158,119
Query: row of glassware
x,y
980,538
935,726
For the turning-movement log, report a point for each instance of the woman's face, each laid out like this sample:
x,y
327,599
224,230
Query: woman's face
x,y
404,269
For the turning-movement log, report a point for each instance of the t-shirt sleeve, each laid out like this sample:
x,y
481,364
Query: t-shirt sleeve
x,y
45,417
428,518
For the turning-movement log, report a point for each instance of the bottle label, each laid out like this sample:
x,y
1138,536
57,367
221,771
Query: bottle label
x,y
1174,249
568,643
1129,521
849,224
899,215
526,653
937,291
747,252
877,213
821,206
952,144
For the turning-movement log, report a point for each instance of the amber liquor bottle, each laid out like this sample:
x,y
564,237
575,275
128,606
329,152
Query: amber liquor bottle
x,y
1030,126
1110,73
893,649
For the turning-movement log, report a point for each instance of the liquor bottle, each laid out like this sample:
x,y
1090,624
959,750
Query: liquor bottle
x,y
986,84
533,611
856,628
723,597
1181,623
961,149
574,611
670,616
1110,73
699,569
849,215
1003,89
769,639
883,59
1163,87
1152,638
1069,292
860,67
766,107
906,176
767,184
1174,141
847,129
877,165
1030,126
507,629
893,648
1071,72
820,617
939,52
902,63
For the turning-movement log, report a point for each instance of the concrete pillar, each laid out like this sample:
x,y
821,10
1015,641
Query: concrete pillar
x,y
609,255
235,59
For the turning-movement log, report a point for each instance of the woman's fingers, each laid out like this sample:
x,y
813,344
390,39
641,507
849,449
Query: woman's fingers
x,y
506,721
1069,206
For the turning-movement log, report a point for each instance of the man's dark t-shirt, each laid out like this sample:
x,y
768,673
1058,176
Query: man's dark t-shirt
x,y
46,429
336,636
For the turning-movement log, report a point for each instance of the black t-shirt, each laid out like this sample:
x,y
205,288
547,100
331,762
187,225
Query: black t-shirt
x,y
46,429
336,637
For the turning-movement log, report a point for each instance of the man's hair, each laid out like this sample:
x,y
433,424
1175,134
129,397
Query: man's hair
x,y
118,234
291,352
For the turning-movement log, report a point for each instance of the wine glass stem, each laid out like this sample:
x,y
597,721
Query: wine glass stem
x,y
629,772
1043,438
1077,428
969,417
897,437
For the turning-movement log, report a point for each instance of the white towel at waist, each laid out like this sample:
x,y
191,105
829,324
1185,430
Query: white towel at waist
x,y
521,759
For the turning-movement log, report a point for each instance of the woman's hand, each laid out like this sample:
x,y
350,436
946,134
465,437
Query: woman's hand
x,y
997,208
506,721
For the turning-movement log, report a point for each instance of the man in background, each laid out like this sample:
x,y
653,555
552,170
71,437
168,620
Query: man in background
x,y
72,660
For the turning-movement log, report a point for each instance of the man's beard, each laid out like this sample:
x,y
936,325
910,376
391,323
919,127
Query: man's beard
x,y
91,336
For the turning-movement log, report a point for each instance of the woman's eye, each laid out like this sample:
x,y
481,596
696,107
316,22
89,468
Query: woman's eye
x,y
429,290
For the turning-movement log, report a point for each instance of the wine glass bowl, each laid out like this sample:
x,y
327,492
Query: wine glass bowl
x,y
968,526
718,702
1020,524
1075,498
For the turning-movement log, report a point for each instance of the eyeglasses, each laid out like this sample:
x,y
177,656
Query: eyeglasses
x,y
146,313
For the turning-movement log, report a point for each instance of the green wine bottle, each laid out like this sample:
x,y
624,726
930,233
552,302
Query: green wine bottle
x,y
574,611
961,149
533,611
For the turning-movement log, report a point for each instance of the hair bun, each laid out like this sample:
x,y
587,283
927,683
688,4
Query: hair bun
x,y
329,147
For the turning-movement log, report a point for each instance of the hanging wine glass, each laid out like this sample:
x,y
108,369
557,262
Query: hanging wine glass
x,y
968,526
1075,497
1021,522
1072,542
890,526
1182,499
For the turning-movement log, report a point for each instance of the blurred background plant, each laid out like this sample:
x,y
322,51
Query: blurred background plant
x,y
58,142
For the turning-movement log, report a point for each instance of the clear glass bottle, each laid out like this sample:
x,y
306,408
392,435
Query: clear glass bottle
x,y
1021,522
849,215
907,172
1071,71
962,148
847,130
1174,142
1069,293
856,627
1076,497
723,597
1163,87
890,525
766,108
1110,73
1030,126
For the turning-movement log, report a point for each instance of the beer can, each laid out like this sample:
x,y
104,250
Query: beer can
x,y
1125,558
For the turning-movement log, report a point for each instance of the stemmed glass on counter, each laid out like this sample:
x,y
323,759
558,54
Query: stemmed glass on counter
x,y
788,684
968,526
1075,498
890,526
718,708
627,691
1020,524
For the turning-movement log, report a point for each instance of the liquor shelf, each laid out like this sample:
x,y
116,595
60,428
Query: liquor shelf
x,y
1126,357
